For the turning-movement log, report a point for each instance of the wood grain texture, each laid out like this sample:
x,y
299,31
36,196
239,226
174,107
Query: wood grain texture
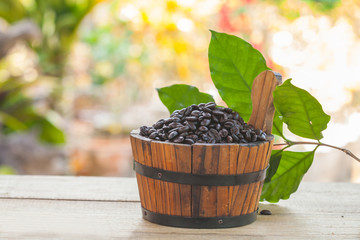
x,y
261,95
316,211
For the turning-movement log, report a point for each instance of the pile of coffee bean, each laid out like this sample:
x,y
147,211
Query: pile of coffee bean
x,y
203,123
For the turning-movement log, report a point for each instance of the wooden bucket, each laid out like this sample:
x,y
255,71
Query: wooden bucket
x,y
206,185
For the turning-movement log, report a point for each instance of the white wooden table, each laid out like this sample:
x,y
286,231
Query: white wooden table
x,y
40,207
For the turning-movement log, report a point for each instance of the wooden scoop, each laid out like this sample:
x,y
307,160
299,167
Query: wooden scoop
x,y
262,99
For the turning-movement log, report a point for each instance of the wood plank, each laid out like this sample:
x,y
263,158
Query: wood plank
x,y
68,188
222,194
316,211
205,161
183,161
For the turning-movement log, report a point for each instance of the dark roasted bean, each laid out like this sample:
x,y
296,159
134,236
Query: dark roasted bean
x,y
254,138
188,111
262,137
159,124
210,105
193,137
215,134
218,127
192,126
201,105
144,130
215,119
217,112
153,135
206,115
228,110
236,138
201,118
223,133
179,139
229,139
151,130
173,134
203,128
208,110
235,130
176,119
205,122
184,134
184,129
168,120
265,212
191,118
196,113
248,136
189,141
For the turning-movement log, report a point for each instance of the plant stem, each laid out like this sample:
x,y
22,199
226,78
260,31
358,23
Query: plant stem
x,y
319,144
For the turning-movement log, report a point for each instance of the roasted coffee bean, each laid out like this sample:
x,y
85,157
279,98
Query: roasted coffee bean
x,y
203,129
262,137
205,122
179,139
159,124
228,110
229,139
173,134
208,110
248,136
206,115
210,105
191,118
217,112
193,137
189,141
184,129
151,130
188,111
235,130
196,113
235,138
168,120
265,212
228,124
215,119
192,126
144,130
254,138
153,135
223,133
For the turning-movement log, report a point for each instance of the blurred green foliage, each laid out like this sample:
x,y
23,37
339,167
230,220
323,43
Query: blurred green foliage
x,y
17,113
58,21
6,170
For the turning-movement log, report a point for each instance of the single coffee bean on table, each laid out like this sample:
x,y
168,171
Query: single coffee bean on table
x,y
203,123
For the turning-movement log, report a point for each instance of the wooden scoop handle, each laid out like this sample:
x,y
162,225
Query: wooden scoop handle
x,y
262,100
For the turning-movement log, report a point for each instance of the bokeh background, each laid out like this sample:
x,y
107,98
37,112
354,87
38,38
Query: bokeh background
x,y
76,76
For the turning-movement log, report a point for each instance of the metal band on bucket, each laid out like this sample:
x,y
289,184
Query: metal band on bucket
x,y
199,179
199,222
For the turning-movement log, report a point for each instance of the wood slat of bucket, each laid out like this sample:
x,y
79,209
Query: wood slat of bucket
x,y
255,187
233,157
245,165
222,202
205,161
138,176
173,188
183,155
264,163
140,157
241,159
158,160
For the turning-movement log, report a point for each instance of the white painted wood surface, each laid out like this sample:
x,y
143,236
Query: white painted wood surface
x,y
40,207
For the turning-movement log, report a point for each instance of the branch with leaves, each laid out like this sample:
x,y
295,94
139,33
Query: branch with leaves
x,y
234,64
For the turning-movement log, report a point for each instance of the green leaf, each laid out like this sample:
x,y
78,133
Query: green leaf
x,y
234,64
286,180
273,164
179,96
302,113
49,133
278,125
11,122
